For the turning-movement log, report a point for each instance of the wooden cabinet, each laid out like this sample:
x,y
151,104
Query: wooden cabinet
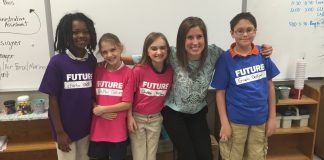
x,y
31,140
319,145
28,140
296,143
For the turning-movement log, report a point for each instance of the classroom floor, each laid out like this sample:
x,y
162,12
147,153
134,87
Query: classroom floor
x,y
316,158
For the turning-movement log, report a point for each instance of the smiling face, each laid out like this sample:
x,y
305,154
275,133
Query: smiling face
x,y
194,43
80,35
243,33
111,54
158,52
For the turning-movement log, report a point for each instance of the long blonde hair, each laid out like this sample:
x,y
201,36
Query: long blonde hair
x,y
148,41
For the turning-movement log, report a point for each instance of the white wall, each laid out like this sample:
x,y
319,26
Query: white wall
x,y
289,27
133,20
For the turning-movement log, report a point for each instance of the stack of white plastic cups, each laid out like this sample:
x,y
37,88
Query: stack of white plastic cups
x,y
300,76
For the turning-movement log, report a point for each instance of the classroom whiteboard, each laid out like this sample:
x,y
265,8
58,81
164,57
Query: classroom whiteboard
x,y
295,29
133,20
25,34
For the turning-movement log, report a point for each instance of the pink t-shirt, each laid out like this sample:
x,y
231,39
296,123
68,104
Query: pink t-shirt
x,y
111,88
150,89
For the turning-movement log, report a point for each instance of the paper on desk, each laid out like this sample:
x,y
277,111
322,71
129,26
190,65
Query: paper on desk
x,y
3,143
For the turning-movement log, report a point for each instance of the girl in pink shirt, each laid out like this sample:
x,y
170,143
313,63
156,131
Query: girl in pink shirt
x,y
113,88
152,81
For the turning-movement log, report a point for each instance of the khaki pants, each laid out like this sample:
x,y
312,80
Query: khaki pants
x,y
79,150
249,142
144,142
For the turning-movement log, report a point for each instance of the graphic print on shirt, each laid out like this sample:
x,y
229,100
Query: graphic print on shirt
x,y
109,88
250,74
78,80
154,89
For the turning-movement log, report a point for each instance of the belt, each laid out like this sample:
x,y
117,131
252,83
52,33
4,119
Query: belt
x,y
147,116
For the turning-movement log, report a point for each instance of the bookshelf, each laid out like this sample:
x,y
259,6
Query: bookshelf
x,y
296,143
29,138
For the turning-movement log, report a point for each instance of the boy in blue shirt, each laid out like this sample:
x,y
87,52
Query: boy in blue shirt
x,y
245,94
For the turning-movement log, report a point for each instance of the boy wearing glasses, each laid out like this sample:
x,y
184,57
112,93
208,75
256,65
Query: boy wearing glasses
x,y
245,94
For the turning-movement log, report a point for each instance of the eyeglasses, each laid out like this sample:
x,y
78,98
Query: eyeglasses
x,y
241,31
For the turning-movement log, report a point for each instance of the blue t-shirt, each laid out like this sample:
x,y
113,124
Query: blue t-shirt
x,y
71,82
245,80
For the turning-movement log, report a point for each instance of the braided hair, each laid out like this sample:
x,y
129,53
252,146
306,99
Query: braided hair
x,y
63,35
